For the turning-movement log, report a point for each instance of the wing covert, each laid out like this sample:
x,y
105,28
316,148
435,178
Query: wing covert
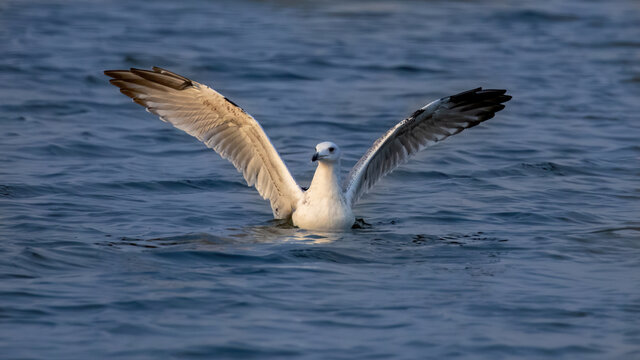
x,y
219,123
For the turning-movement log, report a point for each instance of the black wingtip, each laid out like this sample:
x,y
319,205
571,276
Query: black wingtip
x,y
114,73
163,77
167,72
463,96
478,97
505,98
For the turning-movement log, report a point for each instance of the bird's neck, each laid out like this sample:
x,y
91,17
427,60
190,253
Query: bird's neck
x,y
327,178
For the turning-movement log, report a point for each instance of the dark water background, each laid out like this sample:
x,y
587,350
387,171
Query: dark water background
x,y
121,237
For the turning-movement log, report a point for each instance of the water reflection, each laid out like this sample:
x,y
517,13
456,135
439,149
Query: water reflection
x,y
275,232
278,231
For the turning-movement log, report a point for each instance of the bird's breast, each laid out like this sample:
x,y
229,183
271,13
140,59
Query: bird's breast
x,y
323,212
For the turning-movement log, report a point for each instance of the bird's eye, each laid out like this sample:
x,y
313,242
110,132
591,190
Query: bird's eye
x,y
331,149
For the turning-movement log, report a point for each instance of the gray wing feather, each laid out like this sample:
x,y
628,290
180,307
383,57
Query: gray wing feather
x,y
427,126
216,121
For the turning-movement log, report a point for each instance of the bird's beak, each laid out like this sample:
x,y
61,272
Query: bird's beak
x,y
315,157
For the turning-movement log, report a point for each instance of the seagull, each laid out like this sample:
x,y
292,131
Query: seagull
x,y
235,135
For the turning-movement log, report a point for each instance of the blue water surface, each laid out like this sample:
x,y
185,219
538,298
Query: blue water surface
x,y
124,238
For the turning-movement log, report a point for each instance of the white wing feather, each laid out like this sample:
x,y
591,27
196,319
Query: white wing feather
x,y
428,125
216,121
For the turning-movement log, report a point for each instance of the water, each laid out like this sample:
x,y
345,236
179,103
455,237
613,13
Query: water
x,y
121,237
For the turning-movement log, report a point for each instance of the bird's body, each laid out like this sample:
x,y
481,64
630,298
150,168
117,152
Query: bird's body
x,y
324,205
235,135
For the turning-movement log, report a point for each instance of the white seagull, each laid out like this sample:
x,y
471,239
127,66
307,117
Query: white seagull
x,y
235,135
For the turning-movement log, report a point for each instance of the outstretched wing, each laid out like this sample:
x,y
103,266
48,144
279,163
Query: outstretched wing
x,y
220,124
432,123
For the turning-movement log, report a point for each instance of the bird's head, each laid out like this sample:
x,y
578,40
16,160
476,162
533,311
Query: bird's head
x,y
326,151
